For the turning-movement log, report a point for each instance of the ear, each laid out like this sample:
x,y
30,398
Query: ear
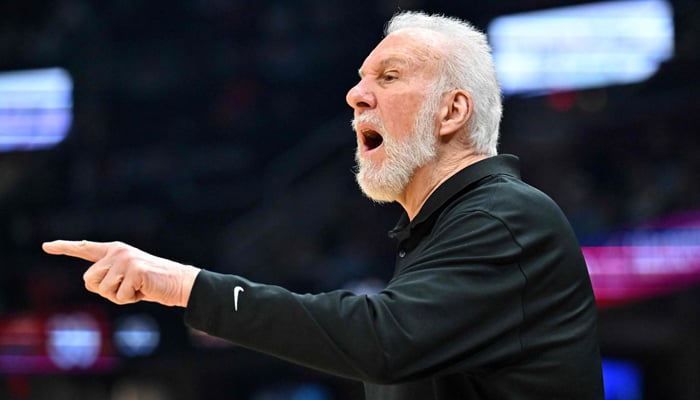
x,y
455,112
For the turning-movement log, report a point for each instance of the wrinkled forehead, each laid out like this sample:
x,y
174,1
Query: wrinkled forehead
x,y
414,47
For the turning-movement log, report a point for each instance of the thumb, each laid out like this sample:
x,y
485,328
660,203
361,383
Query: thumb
x,y
89,251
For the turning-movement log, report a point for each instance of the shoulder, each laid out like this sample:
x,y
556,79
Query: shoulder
x,y
505,196
507,202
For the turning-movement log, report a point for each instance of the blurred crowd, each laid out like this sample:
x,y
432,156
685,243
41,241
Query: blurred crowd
x,y
216,133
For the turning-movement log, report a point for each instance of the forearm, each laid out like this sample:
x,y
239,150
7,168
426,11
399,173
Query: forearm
x,y
275,321
400,334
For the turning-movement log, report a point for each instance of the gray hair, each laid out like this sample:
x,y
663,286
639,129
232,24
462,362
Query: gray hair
x,y
467,65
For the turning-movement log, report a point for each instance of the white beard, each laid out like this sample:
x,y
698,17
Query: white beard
x,y
385,182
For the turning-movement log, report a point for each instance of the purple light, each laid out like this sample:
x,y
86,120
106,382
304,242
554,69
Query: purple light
x,y
36,108
661,257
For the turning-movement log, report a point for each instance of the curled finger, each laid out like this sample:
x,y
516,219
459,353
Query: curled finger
x,y
109,285
94,275
129,290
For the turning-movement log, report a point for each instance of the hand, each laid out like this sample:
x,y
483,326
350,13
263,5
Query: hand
x,y
124,274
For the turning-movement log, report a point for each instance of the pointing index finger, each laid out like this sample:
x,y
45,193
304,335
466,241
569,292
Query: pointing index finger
x,y
89,251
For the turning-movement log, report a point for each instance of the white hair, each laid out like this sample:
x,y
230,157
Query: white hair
x,y
467,64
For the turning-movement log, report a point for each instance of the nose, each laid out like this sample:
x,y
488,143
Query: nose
x,y
359,98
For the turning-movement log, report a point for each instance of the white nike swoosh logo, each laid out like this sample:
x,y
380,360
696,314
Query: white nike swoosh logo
x,y
236,291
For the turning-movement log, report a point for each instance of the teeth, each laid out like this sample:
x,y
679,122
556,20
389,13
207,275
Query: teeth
x,y
370,132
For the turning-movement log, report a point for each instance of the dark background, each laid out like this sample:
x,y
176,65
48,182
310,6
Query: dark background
x,y
216,133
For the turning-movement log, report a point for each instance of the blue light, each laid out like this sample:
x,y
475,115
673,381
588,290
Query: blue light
x,y
73,340
622,379
36,108
137,335
585,46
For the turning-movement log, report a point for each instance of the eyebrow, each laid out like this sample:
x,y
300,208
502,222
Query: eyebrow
x,y
387,62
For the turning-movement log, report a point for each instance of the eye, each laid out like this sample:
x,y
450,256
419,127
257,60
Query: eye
x,y
390,76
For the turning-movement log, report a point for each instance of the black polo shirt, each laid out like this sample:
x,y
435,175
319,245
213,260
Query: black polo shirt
x,y
491,299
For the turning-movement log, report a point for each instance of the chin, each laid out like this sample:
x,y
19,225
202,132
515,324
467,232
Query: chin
x,y
376,191
380,198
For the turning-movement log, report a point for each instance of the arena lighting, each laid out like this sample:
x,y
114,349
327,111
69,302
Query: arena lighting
x,y
623,379
35,108
136,335
656,259
584,46
73,340
293,391
56,342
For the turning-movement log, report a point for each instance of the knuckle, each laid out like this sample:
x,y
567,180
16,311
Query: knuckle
x,y
125,295
120,299
120,249
89,283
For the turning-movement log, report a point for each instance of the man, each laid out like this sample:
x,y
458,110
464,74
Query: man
x,y
490,299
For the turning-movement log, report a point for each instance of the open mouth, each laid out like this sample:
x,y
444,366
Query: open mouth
x,y
371,139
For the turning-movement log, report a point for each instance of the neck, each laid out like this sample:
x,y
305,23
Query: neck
x,y
429,177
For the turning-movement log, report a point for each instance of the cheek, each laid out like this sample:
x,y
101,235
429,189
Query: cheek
x,y
400,114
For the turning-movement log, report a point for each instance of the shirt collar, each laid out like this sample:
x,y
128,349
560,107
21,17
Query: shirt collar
x,y
501,164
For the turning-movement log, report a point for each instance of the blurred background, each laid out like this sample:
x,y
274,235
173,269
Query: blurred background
x,y
216,133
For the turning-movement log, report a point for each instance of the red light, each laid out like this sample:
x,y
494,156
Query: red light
x,y
562,101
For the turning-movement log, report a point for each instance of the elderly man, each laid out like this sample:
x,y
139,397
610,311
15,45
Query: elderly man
x,y
490,299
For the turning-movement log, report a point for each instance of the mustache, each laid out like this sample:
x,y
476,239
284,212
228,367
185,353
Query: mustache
x,y
368,118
